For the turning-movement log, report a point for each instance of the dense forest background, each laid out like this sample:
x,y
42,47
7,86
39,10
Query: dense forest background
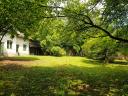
x,y
93,28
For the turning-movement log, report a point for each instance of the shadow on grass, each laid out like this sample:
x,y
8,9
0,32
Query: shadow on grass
x,y
65,80
91,61
120,62
19,58
98,62
11,67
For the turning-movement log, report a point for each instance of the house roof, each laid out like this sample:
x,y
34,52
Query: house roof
x,y
35,44
19,34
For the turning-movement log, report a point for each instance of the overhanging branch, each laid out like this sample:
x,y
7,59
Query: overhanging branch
x,y
88,22
110,35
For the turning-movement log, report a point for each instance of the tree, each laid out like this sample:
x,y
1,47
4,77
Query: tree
x,y
49,34
108,16
20,15
54,32
101,49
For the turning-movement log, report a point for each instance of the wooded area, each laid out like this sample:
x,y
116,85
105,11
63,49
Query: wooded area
x,y
95,29
70,26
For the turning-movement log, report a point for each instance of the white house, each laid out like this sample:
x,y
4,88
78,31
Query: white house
x,y
16,46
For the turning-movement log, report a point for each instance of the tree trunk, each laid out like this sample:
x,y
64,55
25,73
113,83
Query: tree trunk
x,y
1,38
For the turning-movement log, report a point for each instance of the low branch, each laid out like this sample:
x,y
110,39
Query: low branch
x,y
2,36
87,23
110,35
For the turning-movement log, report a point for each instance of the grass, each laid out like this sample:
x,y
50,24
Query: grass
x,y
61,76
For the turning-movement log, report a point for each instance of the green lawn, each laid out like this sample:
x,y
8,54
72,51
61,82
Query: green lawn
x,y
61,76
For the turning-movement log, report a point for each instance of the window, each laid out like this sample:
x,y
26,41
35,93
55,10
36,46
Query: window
x,y
9,44
24,47
17,48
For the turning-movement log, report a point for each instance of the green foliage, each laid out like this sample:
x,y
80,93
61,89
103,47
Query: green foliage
x,y
76,48
100,48
54,33
106,15
123,51
57,51
49,34
20,15
82,21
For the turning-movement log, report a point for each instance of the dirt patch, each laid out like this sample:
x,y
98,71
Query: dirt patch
x,y
11,67
8,62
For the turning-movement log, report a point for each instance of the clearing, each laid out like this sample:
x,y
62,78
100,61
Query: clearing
x,y
61,76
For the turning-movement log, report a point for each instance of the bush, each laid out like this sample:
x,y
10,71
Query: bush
x,y
58,51
101,49
123,51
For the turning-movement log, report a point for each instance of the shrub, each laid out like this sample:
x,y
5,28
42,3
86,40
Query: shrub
x,y
58,51
101,49
123,51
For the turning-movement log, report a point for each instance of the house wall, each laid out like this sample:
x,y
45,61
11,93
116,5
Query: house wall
x,y
16,40
21,42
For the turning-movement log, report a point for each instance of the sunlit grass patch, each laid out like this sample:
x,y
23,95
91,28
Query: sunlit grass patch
x,y
62,76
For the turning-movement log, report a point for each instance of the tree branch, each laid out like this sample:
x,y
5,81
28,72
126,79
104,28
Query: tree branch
x,y
110,35
87,23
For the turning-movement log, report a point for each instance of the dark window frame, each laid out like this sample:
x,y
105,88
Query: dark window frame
x,y
24,47
9,44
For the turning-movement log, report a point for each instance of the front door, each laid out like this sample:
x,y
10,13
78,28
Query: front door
x,y
17,49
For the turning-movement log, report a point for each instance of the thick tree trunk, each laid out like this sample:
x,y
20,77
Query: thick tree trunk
x,y
1,38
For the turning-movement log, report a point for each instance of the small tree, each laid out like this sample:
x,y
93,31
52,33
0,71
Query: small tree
x,y
100,49
57,51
